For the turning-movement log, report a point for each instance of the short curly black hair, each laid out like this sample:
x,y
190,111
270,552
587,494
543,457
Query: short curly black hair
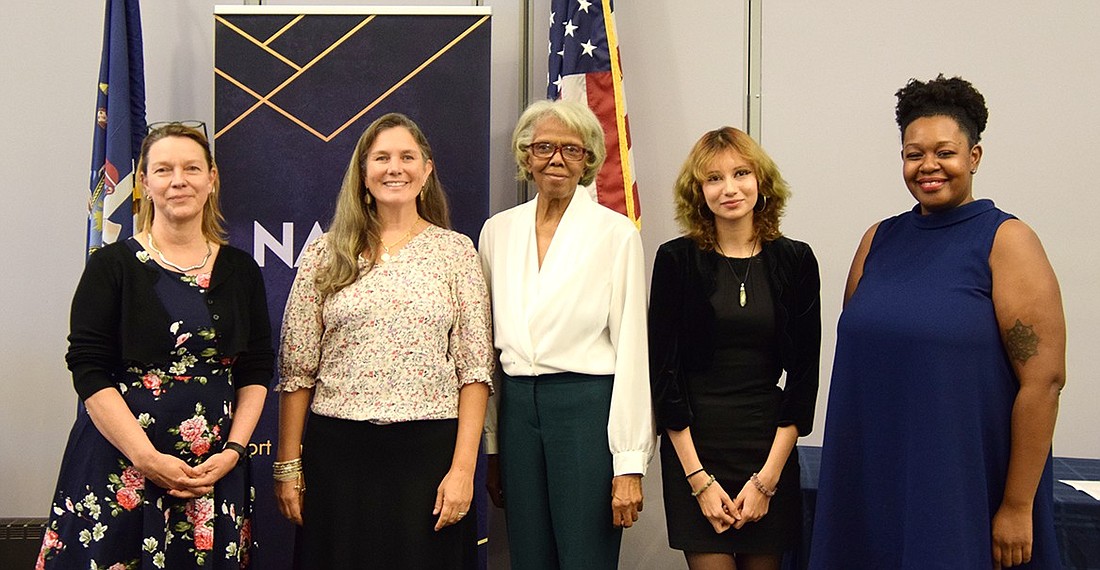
x,y
954,97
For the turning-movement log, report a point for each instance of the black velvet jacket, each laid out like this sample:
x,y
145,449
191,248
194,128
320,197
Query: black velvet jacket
x,y
681,326
117,318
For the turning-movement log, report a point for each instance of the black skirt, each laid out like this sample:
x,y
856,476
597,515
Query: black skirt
x,y
732,436
370,491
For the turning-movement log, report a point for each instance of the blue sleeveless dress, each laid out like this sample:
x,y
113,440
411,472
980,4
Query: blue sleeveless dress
x,y
918,429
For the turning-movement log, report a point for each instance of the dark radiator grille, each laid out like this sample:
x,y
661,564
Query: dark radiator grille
x,y
20,539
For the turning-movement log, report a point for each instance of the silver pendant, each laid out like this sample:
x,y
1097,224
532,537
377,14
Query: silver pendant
x,y
744,297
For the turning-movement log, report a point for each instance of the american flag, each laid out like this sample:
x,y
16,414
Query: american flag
x,y
119,126
585,66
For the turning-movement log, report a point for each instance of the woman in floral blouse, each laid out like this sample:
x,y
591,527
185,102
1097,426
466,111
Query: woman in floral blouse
x,y
386,347
170,351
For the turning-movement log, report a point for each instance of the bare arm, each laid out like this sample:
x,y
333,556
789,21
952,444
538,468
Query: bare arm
x,y
715,503
293,407
855,273
751,502
456,491
246,414
1028,305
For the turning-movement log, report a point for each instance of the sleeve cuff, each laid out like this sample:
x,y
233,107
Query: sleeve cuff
x,y
292,383
631,462
489,443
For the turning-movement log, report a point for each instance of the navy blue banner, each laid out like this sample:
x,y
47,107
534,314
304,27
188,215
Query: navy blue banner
x,y
293,93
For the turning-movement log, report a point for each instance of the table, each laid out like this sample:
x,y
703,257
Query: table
x,y
1076,514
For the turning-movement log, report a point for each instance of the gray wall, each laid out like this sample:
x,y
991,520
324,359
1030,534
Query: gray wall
x,y
829,72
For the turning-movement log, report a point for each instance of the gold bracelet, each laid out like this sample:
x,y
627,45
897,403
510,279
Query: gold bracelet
x,y
710,481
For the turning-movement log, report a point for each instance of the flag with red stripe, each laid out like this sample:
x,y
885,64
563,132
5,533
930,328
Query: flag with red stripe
x,y
584,66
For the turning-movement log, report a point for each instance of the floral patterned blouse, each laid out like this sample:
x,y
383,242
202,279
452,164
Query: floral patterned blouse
x,y
399,342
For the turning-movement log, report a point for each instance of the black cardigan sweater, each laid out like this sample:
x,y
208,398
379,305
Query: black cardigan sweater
x,y
117,319
681,326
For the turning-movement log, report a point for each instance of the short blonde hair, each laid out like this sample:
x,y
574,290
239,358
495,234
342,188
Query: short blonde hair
x,y
692,212
577,118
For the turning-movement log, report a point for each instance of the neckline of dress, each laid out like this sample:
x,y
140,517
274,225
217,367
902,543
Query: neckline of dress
x,y
934,220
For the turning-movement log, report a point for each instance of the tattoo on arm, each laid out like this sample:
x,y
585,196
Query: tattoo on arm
x,y
1021,342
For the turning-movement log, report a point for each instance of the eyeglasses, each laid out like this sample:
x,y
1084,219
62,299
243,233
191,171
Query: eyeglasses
x,y
570,152
192,124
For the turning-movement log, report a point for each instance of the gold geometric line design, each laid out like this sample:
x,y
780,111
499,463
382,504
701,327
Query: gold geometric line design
x,y
277,108
285,28
261,45
266,98
406,79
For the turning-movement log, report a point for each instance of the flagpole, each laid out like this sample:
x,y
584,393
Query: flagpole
x,y
524,83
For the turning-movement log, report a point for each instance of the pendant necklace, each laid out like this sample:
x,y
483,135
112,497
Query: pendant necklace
x,y
386,255
742,297
163,259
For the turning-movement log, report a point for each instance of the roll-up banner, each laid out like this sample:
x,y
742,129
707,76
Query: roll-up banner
x,y
294,88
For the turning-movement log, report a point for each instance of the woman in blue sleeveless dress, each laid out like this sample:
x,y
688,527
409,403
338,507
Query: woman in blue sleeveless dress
x,y
170,350
949,362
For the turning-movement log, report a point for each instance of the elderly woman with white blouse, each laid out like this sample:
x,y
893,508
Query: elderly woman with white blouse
x,y
575,425
386,344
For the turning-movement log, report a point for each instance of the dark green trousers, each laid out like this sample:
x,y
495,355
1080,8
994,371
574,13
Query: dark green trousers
x,y
556,469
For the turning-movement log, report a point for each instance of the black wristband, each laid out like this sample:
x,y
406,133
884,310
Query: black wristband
x,y
694,473
234,446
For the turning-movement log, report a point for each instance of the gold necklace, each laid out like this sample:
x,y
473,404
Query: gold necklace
x,y
386,256
743,297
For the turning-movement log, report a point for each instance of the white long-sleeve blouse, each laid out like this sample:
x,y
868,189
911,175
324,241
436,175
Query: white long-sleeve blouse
x,y
584,311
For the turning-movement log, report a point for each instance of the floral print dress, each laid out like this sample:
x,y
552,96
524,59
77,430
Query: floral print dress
x,y
104,513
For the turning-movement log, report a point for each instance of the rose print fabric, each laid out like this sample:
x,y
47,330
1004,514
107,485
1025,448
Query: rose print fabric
x,y
104,514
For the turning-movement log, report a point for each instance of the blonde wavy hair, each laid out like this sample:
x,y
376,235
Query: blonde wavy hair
x,y
355,226
692,213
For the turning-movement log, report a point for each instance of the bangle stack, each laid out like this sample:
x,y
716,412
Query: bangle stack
x,y
710,481
760,486
287,470
290,471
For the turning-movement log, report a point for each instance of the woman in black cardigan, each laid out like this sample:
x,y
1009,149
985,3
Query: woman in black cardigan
x,y
170,352
733,306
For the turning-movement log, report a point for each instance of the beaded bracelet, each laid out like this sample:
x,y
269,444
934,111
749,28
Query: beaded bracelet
x,y
710,481
234,446
694,473
760,486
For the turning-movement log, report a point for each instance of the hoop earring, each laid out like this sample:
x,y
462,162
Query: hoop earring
x,y
758,207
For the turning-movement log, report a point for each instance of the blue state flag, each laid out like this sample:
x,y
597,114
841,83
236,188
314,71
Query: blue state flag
x,y
119,126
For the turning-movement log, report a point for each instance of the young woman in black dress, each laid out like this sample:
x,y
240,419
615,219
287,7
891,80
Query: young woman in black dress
x,y
733,306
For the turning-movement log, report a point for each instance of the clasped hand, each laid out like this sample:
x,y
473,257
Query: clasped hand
x,y
183,481
724,512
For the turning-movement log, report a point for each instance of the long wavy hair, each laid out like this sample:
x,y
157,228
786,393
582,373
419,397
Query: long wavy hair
x,y
213,228
355,225
692,212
